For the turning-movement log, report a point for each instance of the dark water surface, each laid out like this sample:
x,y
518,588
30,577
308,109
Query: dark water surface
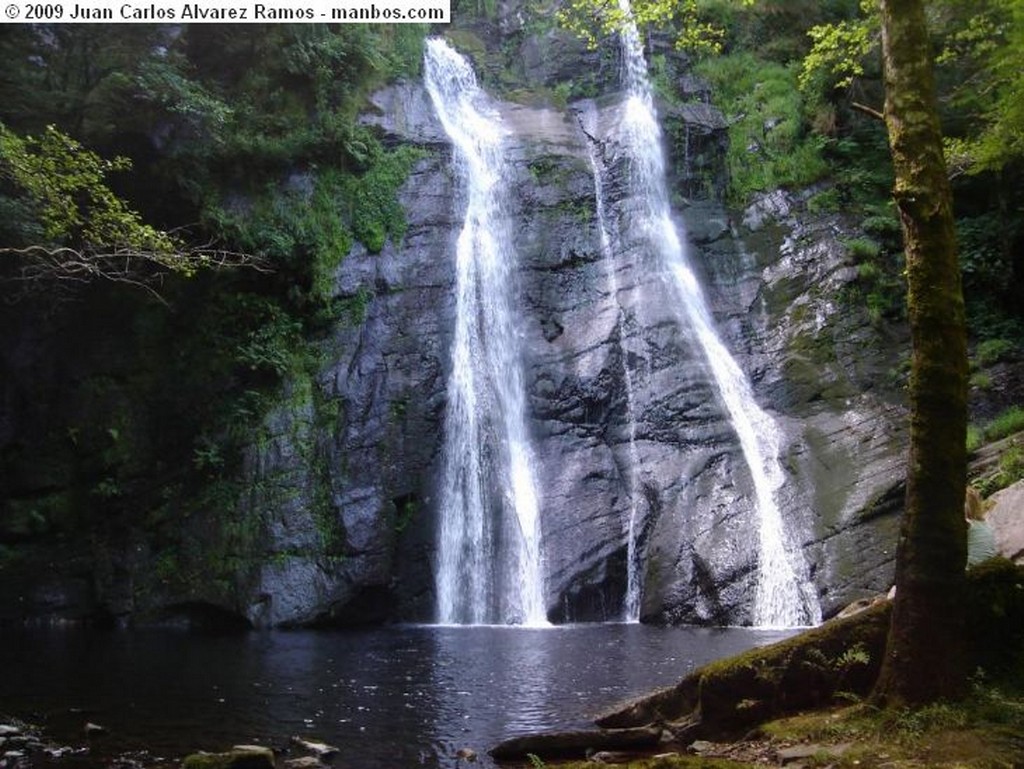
x,y
391,697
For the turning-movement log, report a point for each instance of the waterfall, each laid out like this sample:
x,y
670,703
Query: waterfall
x,y
489,554
783,595
634,552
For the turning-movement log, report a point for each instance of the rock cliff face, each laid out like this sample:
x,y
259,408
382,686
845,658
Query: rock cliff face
x,y
340,496
602,348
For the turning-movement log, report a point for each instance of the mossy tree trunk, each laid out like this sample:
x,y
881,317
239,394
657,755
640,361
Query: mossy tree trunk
x,y
925,651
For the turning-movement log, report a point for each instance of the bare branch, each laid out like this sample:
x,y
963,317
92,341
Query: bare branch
x,y
869,111
38,268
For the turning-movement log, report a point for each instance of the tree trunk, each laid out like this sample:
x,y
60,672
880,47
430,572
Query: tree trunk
x,y
925,656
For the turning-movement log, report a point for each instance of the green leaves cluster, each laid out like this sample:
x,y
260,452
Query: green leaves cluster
x,y
839,49
66,188
985,48
693,30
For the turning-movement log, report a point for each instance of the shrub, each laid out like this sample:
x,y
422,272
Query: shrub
x,y
992,351
862,249
1007,423
770,144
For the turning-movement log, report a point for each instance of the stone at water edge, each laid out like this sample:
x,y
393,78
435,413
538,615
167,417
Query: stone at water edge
x,y
701,746
304,762
94,730
465,754
239,757
320,749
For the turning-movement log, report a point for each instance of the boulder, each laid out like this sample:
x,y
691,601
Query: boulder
x,y
1006,517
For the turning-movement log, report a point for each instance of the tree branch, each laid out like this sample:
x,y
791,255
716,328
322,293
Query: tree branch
x,y
38,268
869,111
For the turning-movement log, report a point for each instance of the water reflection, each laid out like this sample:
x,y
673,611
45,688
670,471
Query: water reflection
x,y
392,697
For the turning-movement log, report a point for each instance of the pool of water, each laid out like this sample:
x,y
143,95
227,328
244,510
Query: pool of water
x,y
389,697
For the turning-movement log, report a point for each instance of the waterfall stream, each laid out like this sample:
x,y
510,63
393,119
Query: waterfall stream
x,y
489,567
634,551
783,596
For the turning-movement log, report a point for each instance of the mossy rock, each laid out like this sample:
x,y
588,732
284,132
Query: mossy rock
x,y
807,670
241,757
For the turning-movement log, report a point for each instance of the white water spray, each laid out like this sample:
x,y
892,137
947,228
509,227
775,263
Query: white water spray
x,y
783,596
489,555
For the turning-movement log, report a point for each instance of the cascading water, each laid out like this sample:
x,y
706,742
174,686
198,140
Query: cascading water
x,y
489,557
634,553
783,597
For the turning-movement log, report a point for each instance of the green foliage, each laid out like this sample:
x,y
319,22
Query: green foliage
x,y
915,723
66,186
373,208
985,259
838,50
983,49
352,309
862,249
992,351
272,345
879,285
165,84
769,142
252,131
1010,470
825,202
690,25
975,437
981,380
855,655
1010,467
207,456
1006,423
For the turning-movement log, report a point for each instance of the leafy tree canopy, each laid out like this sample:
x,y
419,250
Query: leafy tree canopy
x,y
980,47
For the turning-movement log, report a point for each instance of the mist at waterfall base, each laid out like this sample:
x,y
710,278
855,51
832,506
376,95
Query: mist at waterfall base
x,y
392,697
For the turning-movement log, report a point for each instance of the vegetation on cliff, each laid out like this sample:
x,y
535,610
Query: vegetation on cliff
x,y
157,155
